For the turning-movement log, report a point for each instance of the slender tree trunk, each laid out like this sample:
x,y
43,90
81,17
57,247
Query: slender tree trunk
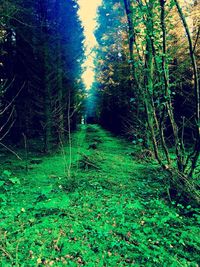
x,y
59,73
196,153
47,102
60,96
45,85
69,134
180,157
149,88
134,81
129,15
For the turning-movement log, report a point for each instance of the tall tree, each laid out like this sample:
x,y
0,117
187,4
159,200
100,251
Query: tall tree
x,y
157,74
47,43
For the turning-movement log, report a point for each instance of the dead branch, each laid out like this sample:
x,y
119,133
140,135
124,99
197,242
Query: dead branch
x,y
12,101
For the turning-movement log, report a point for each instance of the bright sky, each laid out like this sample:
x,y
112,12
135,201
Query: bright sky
x,y
88,12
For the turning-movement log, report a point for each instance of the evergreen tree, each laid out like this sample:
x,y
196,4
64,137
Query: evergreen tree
x,y
115,85
44,53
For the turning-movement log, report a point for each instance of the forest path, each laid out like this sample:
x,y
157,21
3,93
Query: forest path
x,y
109,212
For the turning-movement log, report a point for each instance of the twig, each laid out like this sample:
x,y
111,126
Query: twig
x,y
4,125
8,106
7,131
6,253
196,41
13,152
26,152
90,164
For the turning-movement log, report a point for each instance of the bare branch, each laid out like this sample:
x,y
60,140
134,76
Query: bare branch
x,y
10,104
9,149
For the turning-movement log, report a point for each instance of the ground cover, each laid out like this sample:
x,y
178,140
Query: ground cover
x,y
106,208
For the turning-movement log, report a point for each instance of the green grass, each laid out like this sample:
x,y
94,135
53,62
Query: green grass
x,y
109,212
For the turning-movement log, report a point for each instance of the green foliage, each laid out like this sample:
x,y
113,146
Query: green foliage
x,y
113,216
143,87
7,179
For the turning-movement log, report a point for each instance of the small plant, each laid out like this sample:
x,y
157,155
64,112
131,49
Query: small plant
x,y
8,179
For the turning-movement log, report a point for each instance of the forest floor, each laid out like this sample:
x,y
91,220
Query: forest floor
x,y
110,208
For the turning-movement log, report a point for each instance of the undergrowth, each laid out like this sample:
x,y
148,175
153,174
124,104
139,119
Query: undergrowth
x,y
113,210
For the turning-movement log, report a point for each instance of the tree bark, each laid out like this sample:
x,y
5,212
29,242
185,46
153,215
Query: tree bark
x,y
196,153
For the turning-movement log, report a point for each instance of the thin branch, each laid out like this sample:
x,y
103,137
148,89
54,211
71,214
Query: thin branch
x,y
9,149
8,106
11,125
9,117
196,40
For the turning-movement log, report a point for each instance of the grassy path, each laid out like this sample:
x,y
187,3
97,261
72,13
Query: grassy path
x,y
109,212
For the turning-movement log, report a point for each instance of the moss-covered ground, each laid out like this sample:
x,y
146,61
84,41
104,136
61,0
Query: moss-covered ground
x,y
107,208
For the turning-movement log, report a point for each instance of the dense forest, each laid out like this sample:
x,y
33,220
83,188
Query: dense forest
x,y
41,55
108,176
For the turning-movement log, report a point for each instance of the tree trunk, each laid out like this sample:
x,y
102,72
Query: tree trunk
x,y
196,153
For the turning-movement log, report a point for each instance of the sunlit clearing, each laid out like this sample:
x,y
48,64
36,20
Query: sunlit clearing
x,y
87,13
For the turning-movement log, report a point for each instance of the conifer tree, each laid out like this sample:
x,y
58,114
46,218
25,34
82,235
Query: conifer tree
x,y
115,84
44,53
